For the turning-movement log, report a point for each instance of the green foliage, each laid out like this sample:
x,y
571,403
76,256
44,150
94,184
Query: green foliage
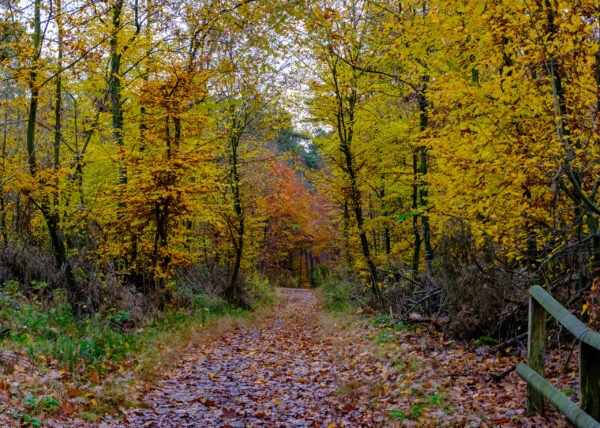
x,y
486,341
386,329
399,415
382,321
27,420
338,296
417,410
413,213
41,404
260,290
50,331
409,364
54,332
384,336
300,145
321,274
388,322
205,303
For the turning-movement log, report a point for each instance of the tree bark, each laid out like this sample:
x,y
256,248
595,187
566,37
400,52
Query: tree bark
x,y
232,293
346,135
115,88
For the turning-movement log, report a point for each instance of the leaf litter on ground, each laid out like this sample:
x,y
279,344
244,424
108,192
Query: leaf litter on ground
x,y
301,367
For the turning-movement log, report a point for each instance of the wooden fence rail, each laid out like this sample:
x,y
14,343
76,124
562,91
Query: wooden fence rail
x,y
588,413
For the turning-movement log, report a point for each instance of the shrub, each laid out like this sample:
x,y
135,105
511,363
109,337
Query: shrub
x,y
261,293
339,296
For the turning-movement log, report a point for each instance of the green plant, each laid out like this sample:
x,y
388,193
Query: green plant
x,y
321,275
41,404
567,391
337,296
440,400
260,290
27,419
92,348
382,321
399,415
486,341
417,410
384,336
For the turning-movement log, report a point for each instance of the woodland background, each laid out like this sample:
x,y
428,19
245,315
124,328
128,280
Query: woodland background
x,y
430,157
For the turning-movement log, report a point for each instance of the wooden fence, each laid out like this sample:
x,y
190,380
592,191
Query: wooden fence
x,y
588,415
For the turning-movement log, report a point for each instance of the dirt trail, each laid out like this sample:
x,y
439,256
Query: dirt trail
x,y
279,373
297,367
300,368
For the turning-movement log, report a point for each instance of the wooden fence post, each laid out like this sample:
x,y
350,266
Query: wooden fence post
x,y
536,348
589,380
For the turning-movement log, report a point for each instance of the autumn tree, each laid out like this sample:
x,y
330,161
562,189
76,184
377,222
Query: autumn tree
x,y
338,37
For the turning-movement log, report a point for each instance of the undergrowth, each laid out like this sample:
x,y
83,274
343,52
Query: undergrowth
x,y
338,296
106,350
260,290
49,331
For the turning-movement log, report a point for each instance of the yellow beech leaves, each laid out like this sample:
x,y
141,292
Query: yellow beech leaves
x,y
155,130
485,112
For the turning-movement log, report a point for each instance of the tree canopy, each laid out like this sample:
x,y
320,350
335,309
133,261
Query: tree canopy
x,y
144,140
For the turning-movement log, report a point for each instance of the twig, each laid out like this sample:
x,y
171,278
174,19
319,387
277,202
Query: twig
x,y
509,342
498,377
417,304
566,365
460,374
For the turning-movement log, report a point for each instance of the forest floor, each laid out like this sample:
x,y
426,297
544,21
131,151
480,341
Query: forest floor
x,y
301,367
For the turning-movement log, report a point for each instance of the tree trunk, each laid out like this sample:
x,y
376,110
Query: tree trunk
x,y
33,86
423,193
415,218
346,232
232,293
115,88
355,199
345,128
3,224
49,212
311,270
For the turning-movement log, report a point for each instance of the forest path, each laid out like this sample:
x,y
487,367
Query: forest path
x,y
281,372
300,367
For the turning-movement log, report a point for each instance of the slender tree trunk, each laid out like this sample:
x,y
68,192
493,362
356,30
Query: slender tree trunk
x,y
300,263
345,128
3,224
415,218
386,230
594,231
423,192
52,214
346,232
33,86
584,205
311,269
115,85
373,231
58,102
356,202
593,220
232,292
49,212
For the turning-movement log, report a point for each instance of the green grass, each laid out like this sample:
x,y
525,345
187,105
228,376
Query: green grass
x,y
94,351
101,343
262,293
427,403
337,296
